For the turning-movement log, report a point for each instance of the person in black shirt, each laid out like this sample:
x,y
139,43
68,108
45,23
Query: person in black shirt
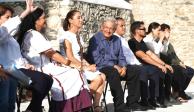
x,y
154,64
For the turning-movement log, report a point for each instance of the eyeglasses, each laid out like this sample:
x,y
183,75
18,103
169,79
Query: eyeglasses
x,y
142,29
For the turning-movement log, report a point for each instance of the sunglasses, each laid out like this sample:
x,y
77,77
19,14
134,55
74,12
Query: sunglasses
x,y
142,29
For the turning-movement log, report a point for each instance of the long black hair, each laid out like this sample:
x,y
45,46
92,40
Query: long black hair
x,y
152,25
28,23
69,15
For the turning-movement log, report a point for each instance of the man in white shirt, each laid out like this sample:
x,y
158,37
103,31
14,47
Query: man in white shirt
x,y
133,61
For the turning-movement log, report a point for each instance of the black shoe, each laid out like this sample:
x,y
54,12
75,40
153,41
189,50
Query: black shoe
x,y
153,103
125,109
137,107
185,96
147,105
162,105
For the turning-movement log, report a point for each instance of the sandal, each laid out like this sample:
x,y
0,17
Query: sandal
x,y
181,100
98,109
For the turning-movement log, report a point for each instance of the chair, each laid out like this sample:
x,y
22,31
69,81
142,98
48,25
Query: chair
x,y
19,97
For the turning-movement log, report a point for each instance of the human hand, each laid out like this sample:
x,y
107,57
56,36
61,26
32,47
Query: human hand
x,y
169,68
91,67
123,71
119,69
162,35
29,66
29,8
182,65
167,35
162,68
3,75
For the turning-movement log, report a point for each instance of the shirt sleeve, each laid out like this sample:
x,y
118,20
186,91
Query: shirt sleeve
x,y
93,51
173,55
9,28
122,60
165,47
158,47
38,41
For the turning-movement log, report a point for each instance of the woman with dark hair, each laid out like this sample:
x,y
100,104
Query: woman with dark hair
x,y
71,45
153,41
37,49
152,35
183,72
11,56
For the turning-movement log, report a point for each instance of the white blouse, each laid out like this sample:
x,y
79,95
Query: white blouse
x,y
154,46
71,37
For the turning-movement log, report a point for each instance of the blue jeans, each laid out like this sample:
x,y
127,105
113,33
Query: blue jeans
x,y
8,95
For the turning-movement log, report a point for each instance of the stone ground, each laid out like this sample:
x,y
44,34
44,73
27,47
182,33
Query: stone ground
x,y
185,107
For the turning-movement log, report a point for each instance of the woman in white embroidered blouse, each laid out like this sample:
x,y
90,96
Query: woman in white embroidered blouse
x,y
70,46
37,49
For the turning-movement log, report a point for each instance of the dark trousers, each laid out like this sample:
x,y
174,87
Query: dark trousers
x,y
189,72
169,82
133,83
114,80
149,90
41,84
182,78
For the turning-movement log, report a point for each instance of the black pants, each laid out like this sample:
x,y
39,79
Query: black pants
x,y
182,78
149,73
41,84
114,80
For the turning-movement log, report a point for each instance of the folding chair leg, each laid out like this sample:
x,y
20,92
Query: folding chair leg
x,y
125,86
19,98
103,103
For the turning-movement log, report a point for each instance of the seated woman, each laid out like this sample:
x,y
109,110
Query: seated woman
x,y
11,56
71,46
37,49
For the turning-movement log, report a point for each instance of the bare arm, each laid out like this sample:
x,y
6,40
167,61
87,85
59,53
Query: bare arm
x,y
59,58
69,52
158,60
145,57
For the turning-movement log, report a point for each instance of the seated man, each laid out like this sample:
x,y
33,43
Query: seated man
x,y
148,58
146,74
105,51
170,57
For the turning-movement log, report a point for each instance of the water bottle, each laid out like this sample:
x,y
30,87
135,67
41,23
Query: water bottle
x,y
19,76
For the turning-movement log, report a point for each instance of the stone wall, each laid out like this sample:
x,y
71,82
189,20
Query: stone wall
x,y
92,15
178,14
56,11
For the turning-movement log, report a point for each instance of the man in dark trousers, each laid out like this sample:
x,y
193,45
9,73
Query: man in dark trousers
x,y
105,51
169,56
149,59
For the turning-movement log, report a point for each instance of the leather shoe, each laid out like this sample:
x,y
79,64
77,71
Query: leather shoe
x,y
147,105
162,105
153,103
185,96
126,109
137,107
